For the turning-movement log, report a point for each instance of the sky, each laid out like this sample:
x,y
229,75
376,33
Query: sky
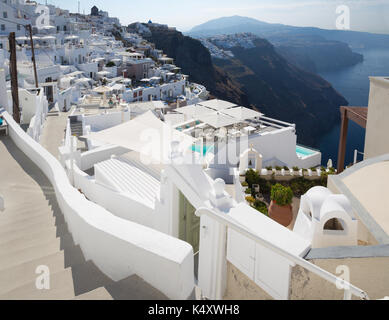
x,y
365,15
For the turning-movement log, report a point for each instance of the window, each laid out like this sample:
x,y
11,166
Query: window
x,y
140,93
135,94
3,27
334,224
18,27
5,14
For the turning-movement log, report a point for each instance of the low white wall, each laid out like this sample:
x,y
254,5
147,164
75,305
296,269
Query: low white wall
x,y
120,204
119,248
104,121
90,158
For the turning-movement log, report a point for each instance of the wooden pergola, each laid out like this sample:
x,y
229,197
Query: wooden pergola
x,y
357,115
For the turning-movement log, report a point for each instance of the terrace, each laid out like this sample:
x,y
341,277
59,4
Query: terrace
x,y
222,119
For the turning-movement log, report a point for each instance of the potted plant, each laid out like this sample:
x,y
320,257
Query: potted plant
x,y
280,209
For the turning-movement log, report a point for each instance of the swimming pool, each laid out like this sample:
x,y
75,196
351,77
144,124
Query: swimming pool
x,y
304,152
206,149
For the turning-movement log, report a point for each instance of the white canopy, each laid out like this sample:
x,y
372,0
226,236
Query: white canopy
x,y
218,120
217,105
147,135
242,113
194,111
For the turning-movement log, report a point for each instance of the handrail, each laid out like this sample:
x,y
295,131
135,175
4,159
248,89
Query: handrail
x,y
287,124
235,225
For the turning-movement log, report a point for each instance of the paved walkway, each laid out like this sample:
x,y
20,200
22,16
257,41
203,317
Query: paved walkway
x,y
54,131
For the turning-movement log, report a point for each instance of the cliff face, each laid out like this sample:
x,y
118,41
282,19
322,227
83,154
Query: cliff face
x,y
260,78
283,91
195,61
314,54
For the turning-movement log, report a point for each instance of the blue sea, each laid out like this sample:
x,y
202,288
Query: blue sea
x,y
353,83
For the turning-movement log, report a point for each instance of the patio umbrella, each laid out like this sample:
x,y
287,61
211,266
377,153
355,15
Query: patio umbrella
x,y
103,90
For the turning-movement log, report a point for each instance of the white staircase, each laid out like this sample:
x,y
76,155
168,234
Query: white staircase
x,y
33,233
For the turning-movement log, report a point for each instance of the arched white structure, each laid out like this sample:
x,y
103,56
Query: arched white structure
x,y
326,219
250,159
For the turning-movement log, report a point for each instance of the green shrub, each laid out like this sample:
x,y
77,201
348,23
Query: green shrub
x,y
332,170
278,168
296,169
252,177
269,168
282,196
250,199
245,184
323,168
248,191
286,168
313,169
261,207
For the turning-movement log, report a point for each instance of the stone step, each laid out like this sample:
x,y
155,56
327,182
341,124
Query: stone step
x,y
25,213
35,224
61,288
25,273
28,241
24,217
97,294
13,235
87,277
12,258
25,208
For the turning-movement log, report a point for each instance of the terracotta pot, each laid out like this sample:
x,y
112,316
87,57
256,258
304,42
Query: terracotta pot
x,y
282,215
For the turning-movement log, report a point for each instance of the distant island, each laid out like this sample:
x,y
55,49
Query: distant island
x,y
312,49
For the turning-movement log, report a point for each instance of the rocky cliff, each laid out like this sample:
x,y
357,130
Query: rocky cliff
x,y
259,77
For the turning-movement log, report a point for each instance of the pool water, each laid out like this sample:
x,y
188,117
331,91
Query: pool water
x,y
303,152
206,149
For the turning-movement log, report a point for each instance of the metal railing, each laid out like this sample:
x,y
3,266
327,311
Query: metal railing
x,y
349,289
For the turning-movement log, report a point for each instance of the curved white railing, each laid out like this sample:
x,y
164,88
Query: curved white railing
x,y
223,219
119,248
